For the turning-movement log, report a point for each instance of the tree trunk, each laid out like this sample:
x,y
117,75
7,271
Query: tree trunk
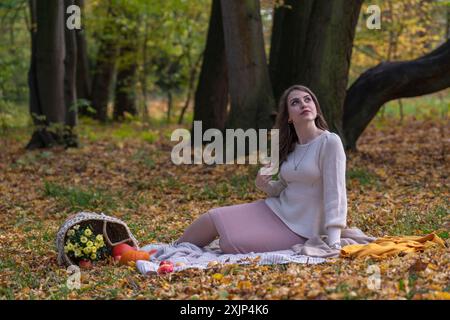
x,y
169,105
211,96
145,69
46,74
125,95
125,91
192,76
252,103
70,81
105,68
289,32
83,71
313,46
393,80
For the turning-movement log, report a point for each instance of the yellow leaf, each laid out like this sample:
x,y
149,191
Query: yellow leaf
x,y
217,276
441,295
245,284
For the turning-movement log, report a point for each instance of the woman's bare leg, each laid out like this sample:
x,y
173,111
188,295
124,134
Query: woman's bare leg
x,y
201,232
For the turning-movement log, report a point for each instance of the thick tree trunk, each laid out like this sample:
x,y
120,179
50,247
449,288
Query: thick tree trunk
x,y
211,96
313,47
289,32
105,68
83,71
46,75
252,103
393,80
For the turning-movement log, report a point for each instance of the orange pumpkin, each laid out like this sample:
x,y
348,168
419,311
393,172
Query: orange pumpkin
x,y
133,255
120,249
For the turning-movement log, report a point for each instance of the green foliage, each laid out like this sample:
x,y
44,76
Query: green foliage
x,y
363,176
413,222
149,136
172,34
14,51
430,106
409,29
78,199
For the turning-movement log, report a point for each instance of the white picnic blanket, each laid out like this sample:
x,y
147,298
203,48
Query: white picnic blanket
x,y
188,255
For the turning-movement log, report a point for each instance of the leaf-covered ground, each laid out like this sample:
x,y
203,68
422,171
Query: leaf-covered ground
x,y
397,184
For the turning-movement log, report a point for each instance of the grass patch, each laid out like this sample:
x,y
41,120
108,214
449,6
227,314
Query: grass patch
x,y
363,176
424,107
142,157
31,158
13,116
149,136
78,199
124,132
413,222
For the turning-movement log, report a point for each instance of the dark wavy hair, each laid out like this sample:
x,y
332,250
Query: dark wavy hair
x,y
288,136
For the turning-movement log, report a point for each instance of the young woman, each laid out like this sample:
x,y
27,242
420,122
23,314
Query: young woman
x,y
309,199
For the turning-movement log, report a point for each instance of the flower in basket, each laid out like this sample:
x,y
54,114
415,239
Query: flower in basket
x,y
84,246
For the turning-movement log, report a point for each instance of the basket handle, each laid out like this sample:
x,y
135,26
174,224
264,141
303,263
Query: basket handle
x,y
105,234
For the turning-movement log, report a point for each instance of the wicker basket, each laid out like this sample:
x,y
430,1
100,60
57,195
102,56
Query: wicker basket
x,y
114,232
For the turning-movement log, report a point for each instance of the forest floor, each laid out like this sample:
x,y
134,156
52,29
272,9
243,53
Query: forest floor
x,y
397,182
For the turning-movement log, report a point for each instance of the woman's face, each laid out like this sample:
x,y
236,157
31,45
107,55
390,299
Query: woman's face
x,y
301,107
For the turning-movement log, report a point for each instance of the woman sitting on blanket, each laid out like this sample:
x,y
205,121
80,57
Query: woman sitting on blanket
x,y
308,200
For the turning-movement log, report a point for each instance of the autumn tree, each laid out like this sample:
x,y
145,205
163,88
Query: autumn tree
x,y
397,61
127,62
313,42
52,75
250,90
211,96
105,64
235,52
83,82
312,45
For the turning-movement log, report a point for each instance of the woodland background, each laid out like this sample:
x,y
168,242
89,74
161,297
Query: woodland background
x,y
86,117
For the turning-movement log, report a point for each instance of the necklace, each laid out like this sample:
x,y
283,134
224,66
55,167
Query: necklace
x,y
304,154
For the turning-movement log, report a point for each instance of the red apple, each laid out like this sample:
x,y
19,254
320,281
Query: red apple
x,y
165,268
166,262
85,264
120,249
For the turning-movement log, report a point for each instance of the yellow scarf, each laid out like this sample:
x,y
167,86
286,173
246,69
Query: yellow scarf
x,y
386,246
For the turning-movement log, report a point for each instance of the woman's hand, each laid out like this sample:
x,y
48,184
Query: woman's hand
x,y
262,181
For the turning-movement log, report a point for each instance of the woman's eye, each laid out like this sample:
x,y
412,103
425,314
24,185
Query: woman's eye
x,y
307,100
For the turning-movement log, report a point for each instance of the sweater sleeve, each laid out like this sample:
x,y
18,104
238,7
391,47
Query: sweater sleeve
x,y
333,164
274,188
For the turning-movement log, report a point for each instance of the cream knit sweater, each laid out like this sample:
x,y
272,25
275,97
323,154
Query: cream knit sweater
x,y
312,201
